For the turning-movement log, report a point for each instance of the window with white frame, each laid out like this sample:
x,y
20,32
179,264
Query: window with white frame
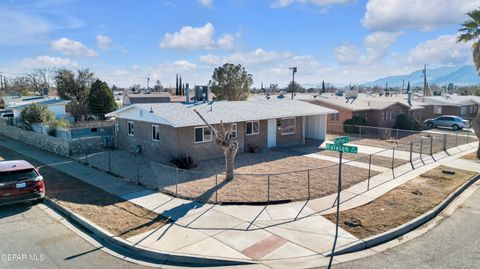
x,y
130,128
472,109
287,126
202,134
335,116
463,110
437,110
234,130
155,133
252,128
384,115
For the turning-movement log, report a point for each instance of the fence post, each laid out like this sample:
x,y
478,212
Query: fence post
x,y
86,157
360,131
431,145
393,162
268,189
216,189
369,169
421,150
138,172
109,161
411,155
397,134
468,136
456,139
445,136
308,183
176,182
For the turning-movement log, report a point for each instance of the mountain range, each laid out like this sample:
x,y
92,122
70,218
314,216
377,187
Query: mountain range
x,y
459,75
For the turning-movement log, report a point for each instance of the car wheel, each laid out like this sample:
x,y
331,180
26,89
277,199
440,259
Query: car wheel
x,y
430,125
456,127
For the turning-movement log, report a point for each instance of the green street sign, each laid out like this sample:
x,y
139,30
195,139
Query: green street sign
x,y
341,140
342,148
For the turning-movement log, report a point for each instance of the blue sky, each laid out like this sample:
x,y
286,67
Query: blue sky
x,y
340,41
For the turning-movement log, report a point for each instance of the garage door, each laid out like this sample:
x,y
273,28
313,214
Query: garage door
x,y
316,127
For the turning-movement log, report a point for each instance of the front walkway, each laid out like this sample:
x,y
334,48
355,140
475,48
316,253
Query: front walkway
x,y
276,235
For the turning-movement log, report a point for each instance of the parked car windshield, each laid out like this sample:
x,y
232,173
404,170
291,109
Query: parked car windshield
x,y
14,176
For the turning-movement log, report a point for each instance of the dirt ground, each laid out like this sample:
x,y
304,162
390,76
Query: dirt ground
x,y
108,211
364,158
252,184
403,203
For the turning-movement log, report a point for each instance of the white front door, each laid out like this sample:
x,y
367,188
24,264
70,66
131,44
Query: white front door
x,y
272,133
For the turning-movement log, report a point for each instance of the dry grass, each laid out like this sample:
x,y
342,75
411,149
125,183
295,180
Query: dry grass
x,y
472,157
119,217
364,158
403,203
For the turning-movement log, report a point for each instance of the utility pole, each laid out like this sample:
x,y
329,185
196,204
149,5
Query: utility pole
x,y
426,91
148,82
294,70
1,82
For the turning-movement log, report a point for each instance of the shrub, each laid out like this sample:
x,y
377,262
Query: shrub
x,y
59,123
357,121
406,122
36,113
183,162
254,149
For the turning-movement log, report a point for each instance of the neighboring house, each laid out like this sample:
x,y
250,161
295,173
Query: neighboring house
x,y
146,98
54,104
463,106
162,131
378,111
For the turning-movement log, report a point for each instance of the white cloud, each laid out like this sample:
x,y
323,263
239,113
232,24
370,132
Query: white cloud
x,y
347,54
72,48
318,3
197,38
104,41
443,50
258,56
424,15
184,65
207,3
45,61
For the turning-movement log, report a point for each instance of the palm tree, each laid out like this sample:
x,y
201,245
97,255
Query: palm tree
x,y
469,32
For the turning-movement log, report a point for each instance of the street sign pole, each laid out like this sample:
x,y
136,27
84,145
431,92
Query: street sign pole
x,y
338,209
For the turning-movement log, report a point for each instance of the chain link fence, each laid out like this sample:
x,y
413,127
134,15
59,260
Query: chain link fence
x,y
391,149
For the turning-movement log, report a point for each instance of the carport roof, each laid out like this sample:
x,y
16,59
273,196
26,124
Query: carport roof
x,y
183,114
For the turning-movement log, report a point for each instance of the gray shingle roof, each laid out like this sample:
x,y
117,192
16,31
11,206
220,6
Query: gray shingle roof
x,y
183,115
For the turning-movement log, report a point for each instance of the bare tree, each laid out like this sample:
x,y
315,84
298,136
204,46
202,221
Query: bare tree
x,y
223,138
39,80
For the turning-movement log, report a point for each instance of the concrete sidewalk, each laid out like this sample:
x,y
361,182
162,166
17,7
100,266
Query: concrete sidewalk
x,y
276,235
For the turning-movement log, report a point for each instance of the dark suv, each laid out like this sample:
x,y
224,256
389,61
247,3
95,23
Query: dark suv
x,y
20,182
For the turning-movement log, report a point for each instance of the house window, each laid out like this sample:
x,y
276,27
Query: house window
x,y
155,133
463,110
472,109
384,115
334,116
234,130
437,110
130,128
287,126
253,127
202,134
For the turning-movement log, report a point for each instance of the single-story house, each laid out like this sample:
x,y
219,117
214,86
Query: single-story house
x,y
54,104
463,106
378,111
164,130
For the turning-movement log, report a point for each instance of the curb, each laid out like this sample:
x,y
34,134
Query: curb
x,y
407,227
129,250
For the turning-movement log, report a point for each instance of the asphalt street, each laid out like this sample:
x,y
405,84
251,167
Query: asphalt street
x,y
453,244
31,238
